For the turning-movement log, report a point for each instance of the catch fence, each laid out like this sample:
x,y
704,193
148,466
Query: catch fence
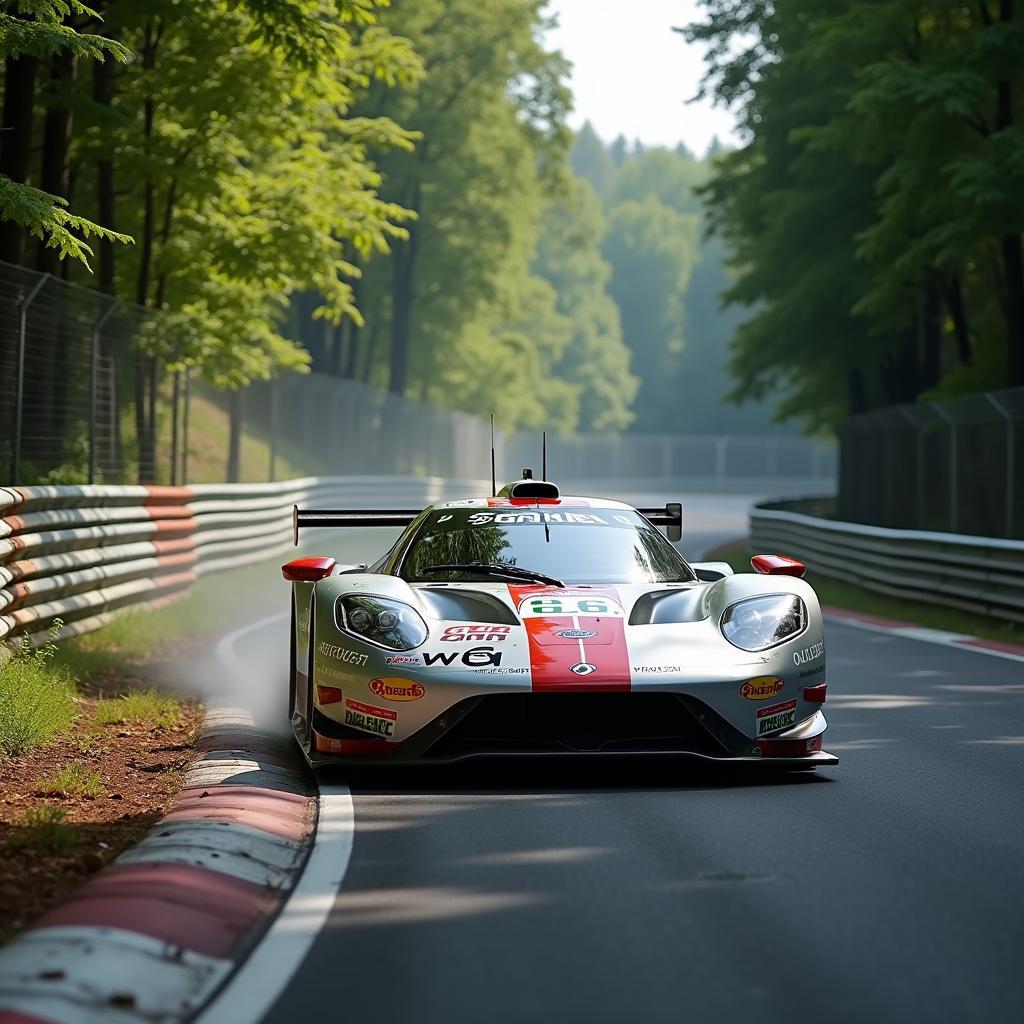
x,y
955,466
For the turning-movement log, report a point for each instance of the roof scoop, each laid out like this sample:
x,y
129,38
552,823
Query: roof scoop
x,y
529,488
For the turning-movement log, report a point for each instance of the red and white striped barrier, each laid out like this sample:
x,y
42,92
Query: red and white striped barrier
x,y
153,936
81,553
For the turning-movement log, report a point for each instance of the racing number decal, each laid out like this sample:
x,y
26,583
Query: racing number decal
x,y
572,606
598,665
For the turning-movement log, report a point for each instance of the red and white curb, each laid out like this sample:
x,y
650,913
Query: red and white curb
x,y
157,934
909,631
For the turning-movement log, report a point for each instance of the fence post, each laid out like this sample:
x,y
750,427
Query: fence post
x,y
273,429
175,403
184,440
94,361
1011,462
954,490
20,390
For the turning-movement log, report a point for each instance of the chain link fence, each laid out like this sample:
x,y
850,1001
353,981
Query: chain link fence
x,y
82,402
955,465
79,400
697,461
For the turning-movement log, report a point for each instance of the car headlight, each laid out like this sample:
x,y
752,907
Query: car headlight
x,y
761,622
382,621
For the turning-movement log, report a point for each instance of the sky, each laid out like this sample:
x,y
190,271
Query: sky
x,y
632,74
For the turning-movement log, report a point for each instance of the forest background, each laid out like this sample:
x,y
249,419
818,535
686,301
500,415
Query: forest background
x,y
389,192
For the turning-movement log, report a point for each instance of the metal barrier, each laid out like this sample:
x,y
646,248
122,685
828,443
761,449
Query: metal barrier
x,y
984,575
82,553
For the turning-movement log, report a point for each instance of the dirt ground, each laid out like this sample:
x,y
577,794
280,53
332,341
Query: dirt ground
x,y
140,768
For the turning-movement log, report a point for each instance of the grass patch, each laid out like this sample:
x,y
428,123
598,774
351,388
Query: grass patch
x,y
213,605
145,706
37,697
71,780
859,599
44,828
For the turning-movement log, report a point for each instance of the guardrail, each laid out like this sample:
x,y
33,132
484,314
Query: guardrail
x,y
82,553
984,575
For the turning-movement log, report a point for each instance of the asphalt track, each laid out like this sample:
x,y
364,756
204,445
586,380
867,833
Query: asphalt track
x,y
889,888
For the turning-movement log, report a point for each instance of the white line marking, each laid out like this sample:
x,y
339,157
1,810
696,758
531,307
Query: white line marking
x,y
257,984
260,980
225,650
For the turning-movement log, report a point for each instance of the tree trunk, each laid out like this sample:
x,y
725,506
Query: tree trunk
x,y
355,335
151,43
104,84
856,392
1010,244
931,333
338,336
402,302
16,143
952,290
234,435
55,169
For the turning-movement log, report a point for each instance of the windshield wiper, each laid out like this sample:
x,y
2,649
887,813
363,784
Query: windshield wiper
x,y
512,572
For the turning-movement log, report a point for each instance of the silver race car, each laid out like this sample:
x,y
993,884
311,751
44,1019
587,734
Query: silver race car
x,y
531,623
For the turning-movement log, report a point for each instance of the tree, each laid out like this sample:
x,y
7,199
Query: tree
x,y
595,359
30,32
651,249
491,114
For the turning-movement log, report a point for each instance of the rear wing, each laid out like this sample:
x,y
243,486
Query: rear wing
x,y
671,517
342,519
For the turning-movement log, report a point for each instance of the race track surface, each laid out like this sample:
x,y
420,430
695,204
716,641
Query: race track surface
x,y
889,888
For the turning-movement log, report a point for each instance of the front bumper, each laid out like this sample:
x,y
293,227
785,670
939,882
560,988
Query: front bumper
x,y
569,725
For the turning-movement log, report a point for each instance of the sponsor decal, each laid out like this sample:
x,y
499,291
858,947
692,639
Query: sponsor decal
x,y
344,654
379,721
403,659
303,622
397,689
485,633
811,653
761,688
501,671
778,716
812,671
336,674
489,518
658,670
582,668
476,657
576,634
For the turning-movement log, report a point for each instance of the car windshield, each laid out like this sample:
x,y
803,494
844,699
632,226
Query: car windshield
x,y
575,545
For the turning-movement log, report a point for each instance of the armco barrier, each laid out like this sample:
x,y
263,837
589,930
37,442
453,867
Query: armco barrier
x,y
81,553
978,574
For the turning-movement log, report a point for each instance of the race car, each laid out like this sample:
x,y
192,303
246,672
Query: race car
x,y
529,623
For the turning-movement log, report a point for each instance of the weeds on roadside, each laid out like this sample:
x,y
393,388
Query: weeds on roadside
x,y
145,706
71,780
43,828
37,697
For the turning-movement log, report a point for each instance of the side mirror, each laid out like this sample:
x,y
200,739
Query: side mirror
x,y
778,565
308,570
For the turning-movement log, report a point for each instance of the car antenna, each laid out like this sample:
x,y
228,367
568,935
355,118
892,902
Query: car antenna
x,y
494,475
544,456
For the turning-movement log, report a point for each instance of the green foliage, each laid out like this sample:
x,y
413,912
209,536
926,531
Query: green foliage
x,y
43,828
37,697
71,780
35,28
148,706
874,214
